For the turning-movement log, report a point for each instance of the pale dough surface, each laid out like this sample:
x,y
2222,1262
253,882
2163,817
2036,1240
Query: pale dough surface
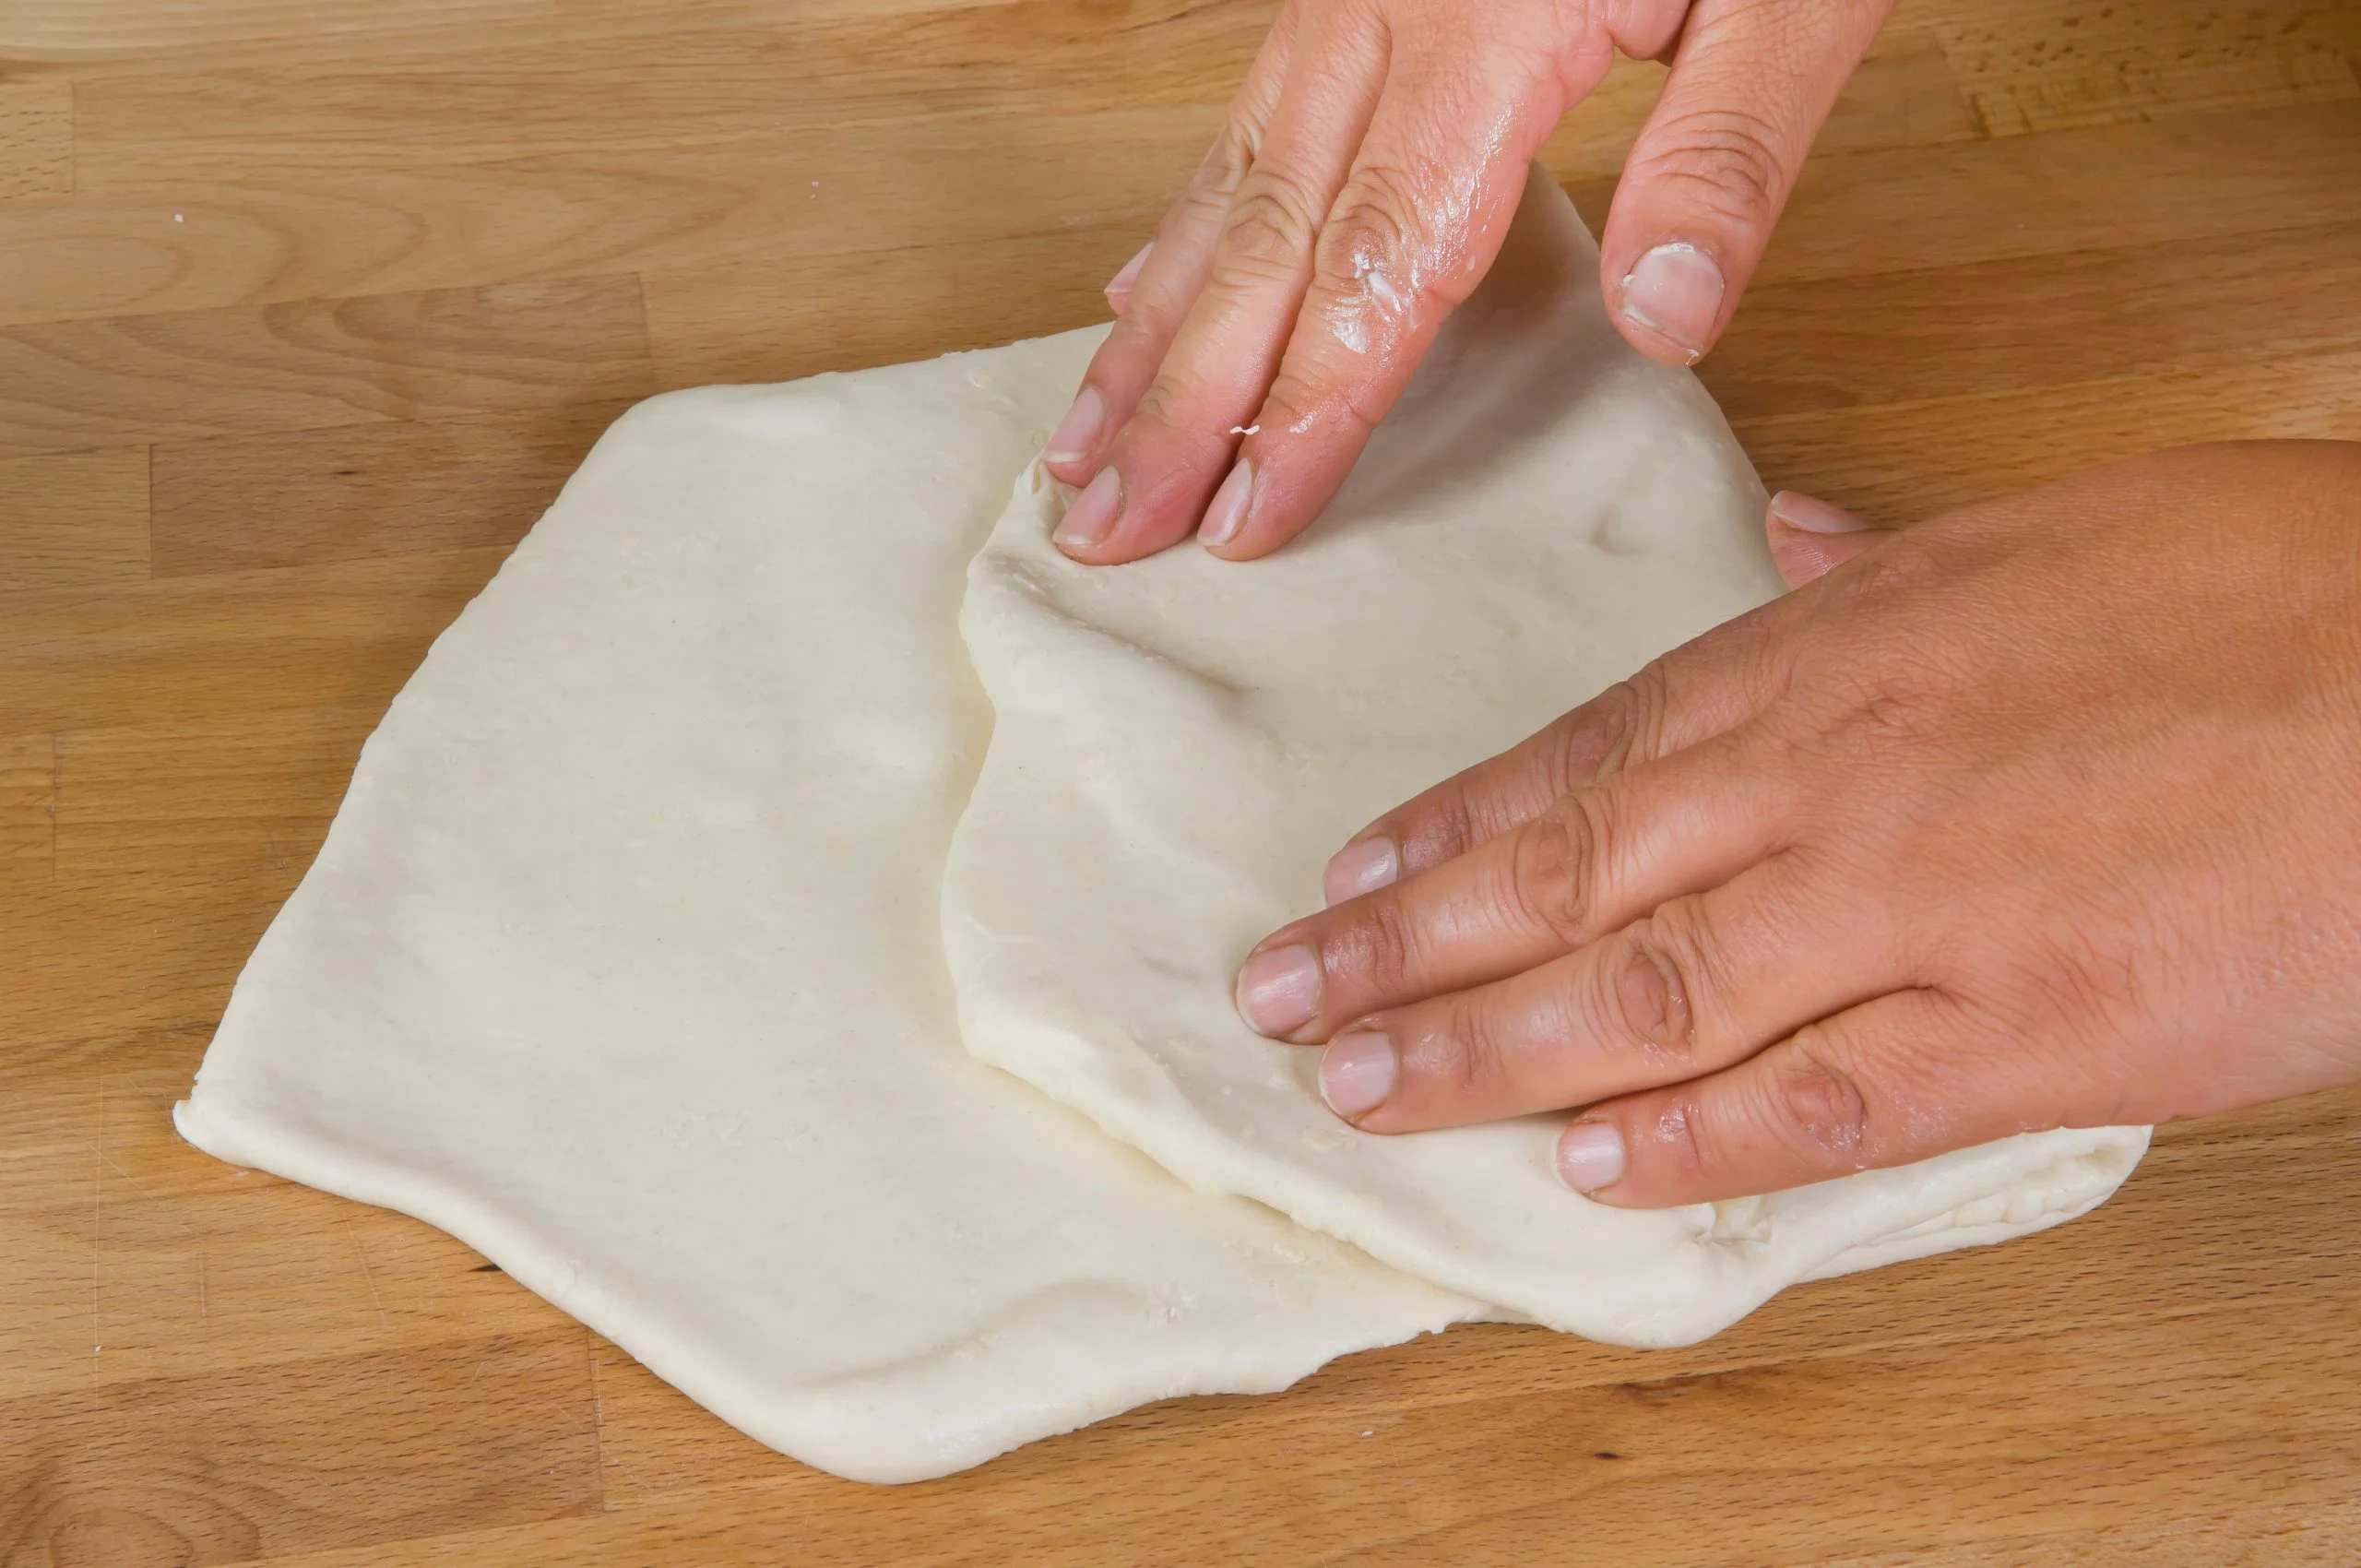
x,y
622,963
624,959
1180,744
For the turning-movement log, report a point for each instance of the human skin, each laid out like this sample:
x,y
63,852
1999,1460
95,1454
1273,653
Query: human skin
x,y
2043,812
1361,188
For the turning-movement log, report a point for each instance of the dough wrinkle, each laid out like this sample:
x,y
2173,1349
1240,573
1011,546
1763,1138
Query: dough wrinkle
x,y
698,922
623,962
1544,513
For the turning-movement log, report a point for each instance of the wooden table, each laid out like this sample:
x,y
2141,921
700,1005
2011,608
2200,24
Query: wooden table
x,y
306,307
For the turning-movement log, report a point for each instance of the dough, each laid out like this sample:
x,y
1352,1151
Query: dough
x,y
622,964
624,959
1180,743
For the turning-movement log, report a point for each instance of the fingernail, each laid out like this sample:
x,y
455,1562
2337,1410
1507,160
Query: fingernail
x,y
1092,513
1675,291
1590,1156
1079,432
1226,514
1119,287
1357,1073
1279,991
1811,515
1360,868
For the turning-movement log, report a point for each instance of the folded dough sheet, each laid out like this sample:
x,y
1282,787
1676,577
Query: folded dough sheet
x,y
625,959
1181,743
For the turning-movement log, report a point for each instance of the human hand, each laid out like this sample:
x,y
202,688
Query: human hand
x,y
1371,165
2046,812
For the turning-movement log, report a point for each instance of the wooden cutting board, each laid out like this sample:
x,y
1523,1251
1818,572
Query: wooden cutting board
x,y
306,310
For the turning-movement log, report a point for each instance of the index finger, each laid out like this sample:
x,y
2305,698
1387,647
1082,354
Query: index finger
x,y
1413,231
1170,271
1592,863
1703,688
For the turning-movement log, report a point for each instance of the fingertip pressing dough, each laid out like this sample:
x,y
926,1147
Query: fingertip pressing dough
x,y
624,959
1182,742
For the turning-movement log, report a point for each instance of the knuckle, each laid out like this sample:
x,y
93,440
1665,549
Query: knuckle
x,y
1167,403
1136,341
1549,871
1468,1060
1594,740
1647,715
1685,1140
1387,947
1269,230
1817,1100
1374,236
1728,158
1439,826
1229,160
1661,980
1319,406
1304,399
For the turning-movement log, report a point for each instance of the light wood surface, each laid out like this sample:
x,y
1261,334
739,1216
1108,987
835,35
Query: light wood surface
x,y
306,307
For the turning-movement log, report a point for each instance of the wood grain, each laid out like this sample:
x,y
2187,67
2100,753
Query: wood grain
x,y
308,306
72,518
173,1267
28,808
386,490
2082,315
2032,66
36,138
1875,459
2176,178
312,364
269,1461
94,36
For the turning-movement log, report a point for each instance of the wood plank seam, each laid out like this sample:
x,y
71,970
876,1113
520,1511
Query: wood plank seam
x,y
2097,1395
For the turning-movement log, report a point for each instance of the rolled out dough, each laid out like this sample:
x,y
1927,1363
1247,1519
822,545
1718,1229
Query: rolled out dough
x,y
1182,742
621,964
623,960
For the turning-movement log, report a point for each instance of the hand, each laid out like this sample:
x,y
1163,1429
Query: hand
x,y
2044,814
1372,163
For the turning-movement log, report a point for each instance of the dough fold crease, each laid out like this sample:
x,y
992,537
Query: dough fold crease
x,y
1142,818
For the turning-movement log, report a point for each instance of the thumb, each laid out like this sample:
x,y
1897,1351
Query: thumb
x,y
1752,82
1809,539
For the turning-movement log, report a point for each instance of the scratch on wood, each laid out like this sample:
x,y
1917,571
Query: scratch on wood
x,y
598,1412
354,1236
195,1235
98,1188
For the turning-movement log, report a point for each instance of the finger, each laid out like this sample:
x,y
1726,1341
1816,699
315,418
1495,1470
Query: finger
x,y
1808,538
1418,222
1174,269
1752,82
1119,287
1905,1076
1175,439
1701,689
1702,982
1591,863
